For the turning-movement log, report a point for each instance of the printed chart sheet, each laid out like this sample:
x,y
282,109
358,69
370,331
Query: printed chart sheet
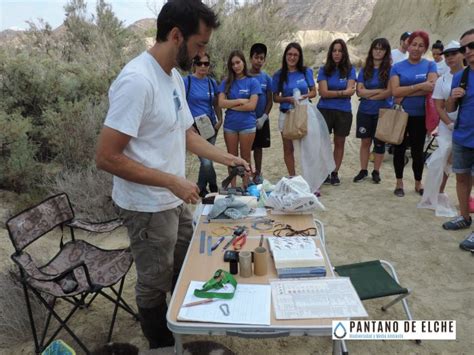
x,y
250,305
316,298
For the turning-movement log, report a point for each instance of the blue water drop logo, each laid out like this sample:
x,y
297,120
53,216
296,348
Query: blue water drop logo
x,y
340,331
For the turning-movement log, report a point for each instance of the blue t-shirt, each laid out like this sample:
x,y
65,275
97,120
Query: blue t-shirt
x,y
240,89
464,132
200,96
296,79
371,107
335,83
265,85
411,74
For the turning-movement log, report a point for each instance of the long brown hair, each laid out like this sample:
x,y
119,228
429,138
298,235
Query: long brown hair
x,y
385,66
284,65
230,72
344,65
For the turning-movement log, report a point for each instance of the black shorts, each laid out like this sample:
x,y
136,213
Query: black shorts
x,y
366,127
262,136
338,121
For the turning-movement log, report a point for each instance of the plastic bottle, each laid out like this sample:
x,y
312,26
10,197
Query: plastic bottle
x,y
296,94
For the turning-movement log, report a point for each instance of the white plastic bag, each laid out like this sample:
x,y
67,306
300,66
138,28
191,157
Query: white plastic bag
x,y
293,195
437,165
316,157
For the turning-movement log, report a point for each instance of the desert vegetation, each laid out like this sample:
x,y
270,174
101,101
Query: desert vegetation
x,y
53,94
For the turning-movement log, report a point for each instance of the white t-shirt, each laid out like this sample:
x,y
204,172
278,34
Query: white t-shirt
x,y
441,67
150,106
441,91
398,56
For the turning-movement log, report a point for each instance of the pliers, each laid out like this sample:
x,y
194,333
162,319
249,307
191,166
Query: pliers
x,y
239,241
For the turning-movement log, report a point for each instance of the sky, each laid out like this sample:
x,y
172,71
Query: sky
x,y
14,13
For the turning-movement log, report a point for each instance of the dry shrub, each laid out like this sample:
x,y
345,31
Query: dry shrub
x,y
14,321
89,190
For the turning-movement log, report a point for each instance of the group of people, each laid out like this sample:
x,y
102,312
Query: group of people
x,y
149,127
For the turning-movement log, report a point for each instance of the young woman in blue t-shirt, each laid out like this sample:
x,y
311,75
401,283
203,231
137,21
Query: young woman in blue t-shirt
x,y
238,93
374,93
336,81
411,80
292,75
201,95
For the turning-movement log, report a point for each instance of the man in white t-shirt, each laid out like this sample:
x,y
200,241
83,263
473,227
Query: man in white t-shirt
x,y
400,53
143,144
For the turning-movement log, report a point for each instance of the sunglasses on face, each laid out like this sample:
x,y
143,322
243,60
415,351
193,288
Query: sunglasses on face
x,y
449,54
469,45
200,64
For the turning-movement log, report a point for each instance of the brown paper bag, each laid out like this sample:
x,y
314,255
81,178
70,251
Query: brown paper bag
x,y
296,122
391,125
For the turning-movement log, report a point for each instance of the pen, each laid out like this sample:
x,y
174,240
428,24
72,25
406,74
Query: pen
x,y
197,303
216,244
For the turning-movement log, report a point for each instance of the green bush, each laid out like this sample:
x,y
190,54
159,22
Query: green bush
x,y
18,168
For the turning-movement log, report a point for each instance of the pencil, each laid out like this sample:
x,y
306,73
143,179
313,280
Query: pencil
x,y
197,303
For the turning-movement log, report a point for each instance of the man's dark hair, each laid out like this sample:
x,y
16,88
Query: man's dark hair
x,y
186,15
467,33
258,48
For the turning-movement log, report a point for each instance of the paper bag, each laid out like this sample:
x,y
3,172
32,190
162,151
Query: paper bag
x,y
204,126
391,125
296,122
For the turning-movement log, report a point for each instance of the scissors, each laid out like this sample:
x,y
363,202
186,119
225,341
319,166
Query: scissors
x,y
239,241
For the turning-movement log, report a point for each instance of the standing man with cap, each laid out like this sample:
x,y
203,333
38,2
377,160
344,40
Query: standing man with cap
x,y
400,53
462,98
258,55
143,144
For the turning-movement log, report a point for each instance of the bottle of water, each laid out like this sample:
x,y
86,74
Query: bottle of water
x,y
296,94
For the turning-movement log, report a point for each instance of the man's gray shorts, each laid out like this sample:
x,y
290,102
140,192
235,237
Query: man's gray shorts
x,y
158,242
463,159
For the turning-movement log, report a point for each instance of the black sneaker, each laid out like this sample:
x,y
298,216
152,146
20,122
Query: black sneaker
x,y
327,181
335,179
361,176
376,177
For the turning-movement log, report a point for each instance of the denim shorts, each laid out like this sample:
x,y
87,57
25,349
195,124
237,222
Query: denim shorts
x,y
243,131
463,159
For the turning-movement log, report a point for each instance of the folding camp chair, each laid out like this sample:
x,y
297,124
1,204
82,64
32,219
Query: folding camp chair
x,y
77,271
372,280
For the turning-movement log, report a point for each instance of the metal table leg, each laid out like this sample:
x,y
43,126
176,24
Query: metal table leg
x,y
178,344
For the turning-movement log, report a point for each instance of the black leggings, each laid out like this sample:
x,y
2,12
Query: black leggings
x,y
415,135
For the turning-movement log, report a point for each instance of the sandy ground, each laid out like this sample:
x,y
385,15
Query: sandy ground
x,y
363,221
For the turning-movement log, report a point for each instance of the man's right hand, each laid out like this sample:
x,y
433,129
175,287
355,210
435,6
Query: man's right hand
x,y
185,190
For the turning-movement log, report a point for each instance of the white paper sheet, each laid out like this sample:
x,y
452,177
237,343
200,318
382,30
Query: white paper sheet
x,y
250,305
316,298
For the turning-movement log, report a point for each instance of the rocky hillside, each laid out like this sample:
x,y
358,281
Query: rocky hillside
x,y
330,15
442,19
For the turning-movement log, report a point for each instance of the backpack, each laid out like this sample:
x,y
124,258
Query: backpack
x,y
462,84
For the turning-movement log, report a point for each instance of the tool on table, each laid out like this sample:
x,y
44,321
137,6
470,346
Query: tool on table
x,y
225,309
197,303
209,245
238,231
234,171
239,242
220,280
202,241
216,244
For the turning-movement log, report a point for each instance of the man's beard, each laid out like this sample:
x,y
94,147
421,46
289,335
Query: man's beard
x,y
182,59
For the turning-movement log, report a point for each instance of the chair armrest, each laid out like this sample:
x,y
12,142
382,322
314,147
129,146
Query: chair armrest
x,y
99,227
